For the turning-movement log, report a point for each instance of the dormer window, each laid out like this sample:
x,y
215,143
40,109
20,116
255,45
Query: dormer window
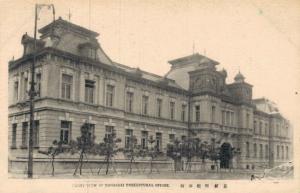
x,y
89,49
92,53
28,43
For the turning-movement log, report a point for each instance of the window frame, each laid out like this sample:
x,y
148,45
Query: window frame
x,y
144,139
261,153
16,90
172,110
247,149
89,91
38,84
255,150
109,95
145,105
66,86
159,107
197,113
172,137
129,101
24,139
266,151
14,135
109,129
158,141
213,113
183,112
128,138
25,88
63,132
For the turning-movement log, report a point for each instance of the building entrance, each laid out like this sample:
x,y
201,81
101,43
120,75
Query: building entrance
x,y
225,155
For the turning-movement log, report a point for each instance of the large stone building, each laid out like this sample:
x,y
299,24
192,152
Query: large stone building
x,y
77,82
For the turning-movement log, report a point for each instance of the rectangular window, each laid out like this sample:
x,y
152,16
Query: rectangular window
x,y
89,91
158,141
223,117
128,137
172,110
65,131
145,100
277,151
183,137
248,120
38,84
110,92
91,129
159,107
266,151
197,113
36,134
24,134
227,118
183,112
287,152
144,139
16,91
260,127
282,152
260,151
129,101
25,87
92,53
254,126
247,149
266,129
66,86
231,118
14,135
108,131
213,114
255,150
171,138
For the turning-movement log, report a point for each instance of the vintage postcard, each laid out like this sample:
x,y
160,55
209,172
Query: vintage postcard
x,y
143,96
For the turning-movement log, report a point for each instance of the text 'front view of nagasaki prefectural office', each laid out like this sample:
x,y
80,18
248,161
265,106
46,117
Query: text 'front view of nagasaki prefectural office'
x,y
77,84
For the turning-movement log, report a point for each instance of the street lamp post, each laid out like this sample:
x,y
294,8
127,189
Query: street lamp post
x,y
32,92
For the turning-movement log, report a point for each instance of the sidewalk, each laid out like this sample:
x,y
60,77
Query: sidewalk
x,y
221,175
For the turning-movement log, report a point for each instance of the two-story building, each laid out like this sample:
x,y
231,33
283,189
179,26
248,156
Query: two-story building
x,y
77,82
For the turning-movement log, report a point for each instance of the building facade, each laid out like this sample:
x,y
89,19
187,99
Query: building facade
x,y
77,82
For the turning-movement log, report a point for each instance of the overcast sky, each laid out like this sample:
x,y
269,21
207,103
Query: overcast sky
x,y
261,38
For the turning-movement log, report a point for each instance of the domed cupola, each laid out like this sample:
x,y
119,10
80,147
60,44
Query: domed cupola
x,y
239,78
241,90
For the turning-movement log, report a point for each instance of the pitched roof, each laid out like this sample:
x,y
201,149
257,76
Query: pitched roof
x,y
63,23
265,105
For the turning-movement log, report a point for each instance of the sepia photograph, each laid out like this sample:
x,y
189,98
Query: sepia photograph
x,y
131,91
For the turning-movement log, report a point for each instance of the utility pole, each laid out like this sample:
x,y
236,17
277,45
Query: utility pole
x,y
32,92
31,98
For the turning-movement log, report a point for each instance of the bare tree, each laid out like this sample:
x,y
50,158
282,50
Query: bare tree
x,y
214,152
83,145
54,150
191,148
153,152
174,151
132,151
188,149
109,148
